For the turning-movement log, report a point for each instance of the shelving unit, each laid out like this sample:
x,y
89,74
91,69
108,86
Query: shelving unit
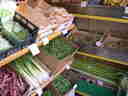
x,y
114,15
26,50
84,14
88,15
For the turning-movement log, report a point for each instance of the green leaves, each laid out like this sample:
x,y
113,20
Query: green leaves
x,y
4,12
58,48
97,68
62,84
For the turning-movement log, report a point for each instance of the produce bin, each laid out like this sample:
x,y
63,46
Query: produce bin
x,y
61,84
56,54
44,65
20,31
106,70
19,41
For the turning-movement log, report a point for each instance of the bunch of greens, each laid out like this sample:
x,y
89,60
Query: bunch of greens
x,y
62,84
97,68
31,70
59,48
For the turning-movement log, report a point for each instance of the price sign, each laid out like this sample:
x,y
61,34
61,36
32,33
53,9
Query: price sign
x,y
45,41
34,49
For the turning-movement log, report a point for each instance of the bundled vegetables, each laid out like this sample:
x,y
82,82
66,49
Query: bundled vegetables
x,y
31,70
62,84
98,68
58,48
11,84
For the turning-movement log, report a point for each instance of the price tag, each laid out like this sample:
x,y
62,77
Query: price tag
x,y
126,10
45,40
67,67
98,44
34,49
83,4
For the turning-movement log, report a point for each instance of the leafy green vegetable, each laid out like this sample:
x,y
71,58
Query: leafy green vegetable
x,y
97,68
31,70
59,48
62,84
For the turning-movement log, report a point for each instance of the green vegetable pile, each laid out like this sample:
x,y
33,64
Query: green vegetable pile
x,y
62,84
97,68
4,12
59,48
31,70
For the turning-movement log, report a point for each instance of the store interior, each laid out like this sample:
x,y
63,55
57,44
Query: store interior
x,y
63,48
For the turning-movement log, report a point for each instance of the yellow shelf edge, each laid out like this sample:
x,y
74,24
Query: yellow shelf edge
x,y
102,18
102,58
24,51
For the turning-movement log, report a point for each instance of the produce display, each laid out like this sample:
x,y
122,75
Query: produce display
x,y
11,84
92,89
14,30
4,44
58,48
97,68
62,84
32,71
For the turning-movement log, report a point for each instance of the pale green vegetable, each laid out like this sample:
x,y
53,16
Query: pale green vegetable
x,y
15,30
4,44
31,70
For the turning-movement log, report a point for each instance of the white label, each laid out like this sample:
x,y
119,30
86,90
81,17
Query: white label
x,y
45,41
100,82
83,4
34,49
126,10
67,67
98,44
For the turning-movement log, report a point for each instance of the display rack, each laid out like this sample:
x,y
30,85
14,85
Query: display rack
x,y
102,18
26,50
114,15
